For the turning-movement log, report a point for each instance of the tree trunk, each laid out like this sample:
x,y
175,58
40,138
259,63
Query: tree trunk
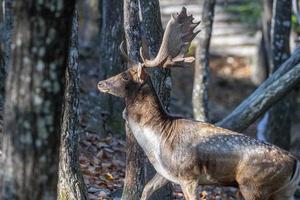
x,y
71,185
152,33
8,29
2,90
266,28
34,92
135,158
112,34
269,92
201,73
262,57
5,51
279,119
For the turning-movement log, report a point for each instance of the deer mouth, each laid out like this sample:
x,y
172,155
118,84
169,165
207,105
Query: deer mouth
x,y
104,90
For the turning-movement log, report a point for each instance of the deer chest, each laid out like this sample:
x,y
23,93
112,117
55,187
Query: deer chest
x,y
149,140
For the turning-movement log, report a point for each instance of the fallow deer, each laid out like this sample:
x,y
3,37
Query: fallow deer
x,y
189,152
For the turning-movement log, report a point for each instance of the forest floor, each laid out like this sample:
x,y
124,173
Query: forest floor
x,y
102,158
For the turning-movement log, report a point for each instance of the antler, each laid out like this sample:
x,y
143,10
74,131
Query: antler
x,y
124,55
177,37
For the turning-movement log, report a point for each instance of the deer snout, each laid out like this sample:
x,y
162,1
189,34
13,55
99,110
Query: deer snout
x,y
102,86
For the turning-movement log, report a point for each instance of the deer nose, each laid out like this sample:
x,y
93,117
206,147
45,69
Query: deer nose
x,y
100,85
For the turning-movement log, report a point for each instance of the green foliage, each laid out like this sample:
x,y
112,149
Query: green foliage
x,y
191,50
295,24
249,11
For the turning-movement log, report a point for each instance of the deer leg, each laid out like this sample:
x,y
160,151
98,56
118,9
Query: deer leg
x,y
190,190
154,184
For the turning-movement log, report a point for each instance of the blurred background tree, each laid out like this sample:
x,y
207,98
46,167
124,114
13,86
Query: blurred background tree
x,y
34,94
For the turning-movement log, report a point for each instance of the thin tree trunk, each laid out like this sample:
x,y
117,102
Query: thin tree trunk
x,y
279,119
100,19
266,27
8,30
201,73
34,92
269,92
71,185
134,174
112,34
264,57
5,48
2,90
152,33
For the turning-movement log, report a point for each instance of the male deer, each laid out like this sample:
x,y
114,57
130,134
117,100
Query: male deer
x,y
189,152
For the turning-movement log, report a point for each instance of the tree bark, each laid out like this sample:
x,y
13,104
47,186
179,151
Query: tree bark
x,y
8,30
266,27
112,34
71,184
261,59
135,158
2,90
279,119
5,48
201,73
34,92
152,33
269,92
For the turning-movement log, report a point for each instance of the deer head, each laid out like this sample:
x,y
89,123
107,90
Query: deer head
x,y
177,37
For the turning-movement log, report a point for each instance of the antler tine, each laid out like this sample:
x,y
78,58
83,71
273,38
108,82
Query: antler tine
x,y
124,55
177,37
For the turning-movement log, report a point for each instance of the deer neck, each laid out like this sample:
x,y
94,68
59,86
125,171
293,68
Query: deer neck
x,y
145,108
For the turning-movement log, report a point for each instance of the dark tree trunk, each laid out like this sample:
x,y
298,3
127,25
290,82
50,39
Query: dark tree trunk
x,y
152,33
5,50
135,158
71,185
100,19
280,83
112,34
279,121
150,29
8,29
34,93
201,73
2,90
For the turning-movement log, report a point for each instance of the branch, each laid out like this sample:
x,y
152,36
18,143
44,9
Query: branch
x,y
270,91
